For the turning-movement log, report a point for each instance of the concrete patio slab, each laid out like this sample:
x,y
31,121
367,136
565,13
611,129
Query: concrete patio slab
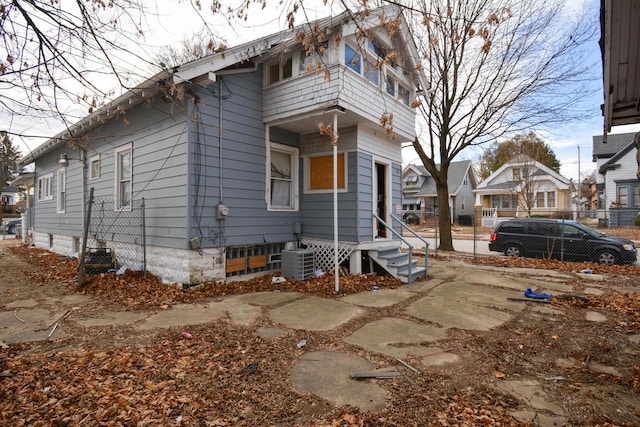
x,y
314,314
115,318
449,311
381,298
264,298
271,332
242,314
422,285
539,419
23,303
594,316
183,314
395,337
532,393
487,296
13,330
326,374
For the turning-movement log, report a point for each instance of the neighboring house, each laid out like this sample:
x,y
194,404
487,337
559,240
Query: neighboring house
x,y
9,197
522,187
236,170
24,182
617,185
420,198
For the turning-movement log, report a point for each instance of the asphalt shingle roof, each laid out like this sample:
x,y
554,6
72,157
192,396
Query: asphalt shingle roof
x,y
615,143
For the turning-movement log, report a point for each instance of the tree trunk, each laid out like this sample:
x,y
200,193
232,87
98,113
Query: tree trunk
x,y
444,217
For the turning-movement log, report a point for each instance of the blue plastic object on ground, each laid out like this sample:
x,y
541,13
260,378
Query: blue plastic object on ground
x,y
530,294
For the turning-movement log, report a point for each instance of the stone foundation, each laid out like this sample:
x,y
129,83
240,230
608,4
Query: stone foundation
x,y
170,264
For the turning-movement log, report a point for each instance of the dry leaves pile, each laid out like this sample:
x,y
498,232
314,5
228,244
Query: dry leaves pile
x,y
137,291
553,264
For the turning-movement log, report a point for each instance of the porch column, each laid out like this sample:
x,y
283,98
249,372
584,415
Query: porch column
x,y
335,110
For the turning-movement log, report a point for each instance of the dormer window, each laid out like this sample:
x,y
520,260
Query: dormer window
x,y
280,70
411,179
376,47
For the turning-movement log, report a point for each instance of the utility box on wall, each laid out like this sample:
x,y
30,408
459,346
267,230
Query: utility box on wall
x,y
298,264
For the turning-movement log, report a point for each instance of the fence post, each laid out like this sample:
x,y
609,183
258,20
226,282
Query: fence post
x,y
475,241
84,238
144,239
562,240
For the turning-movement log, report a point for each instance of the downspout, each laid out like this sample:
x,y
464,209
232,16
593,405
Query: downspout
x,y
82,155
220,151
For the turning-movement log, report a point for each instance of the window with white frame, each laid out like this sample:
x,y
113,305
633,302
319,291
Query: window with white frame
x,y
280,70
311,59
636,195
45,187
403,94
551,199
283,177
377,47
371,72
373,64
62,190
390,85
462,204
94,167
411,179
352,58
504,201
623,195
546,199
123,177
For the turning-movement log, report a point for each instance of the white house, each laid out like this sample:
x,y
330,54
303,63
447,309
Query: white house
x,y
522,187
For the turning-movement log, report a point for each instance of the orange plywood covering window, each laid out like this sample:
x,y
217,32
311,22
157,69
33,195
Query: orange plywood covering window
x,y
321,172
237,264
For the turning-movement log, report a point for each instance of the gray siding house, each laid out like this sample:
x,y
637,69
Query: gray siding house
x,y
617,185
420,195
228,153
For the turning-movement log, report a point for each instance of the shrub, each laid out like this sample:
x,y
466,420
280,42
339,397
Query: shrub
x,y
637,221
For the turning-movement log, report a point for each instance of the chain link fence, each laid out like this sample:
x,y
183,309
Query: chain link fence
x,y
114,239
574,236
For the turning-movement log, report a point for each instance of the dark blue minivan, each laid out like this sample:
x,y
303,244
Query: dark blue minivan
x,y
560,239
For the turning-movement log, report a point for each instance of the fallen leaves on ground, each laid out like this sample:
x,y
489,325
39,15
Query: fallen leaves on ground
x,y
228,375
557,265
136,290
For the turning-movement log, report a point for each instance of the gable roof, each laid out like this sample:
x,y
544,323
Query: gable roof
x,y
611,163
541,170
614,144
203,71
458,171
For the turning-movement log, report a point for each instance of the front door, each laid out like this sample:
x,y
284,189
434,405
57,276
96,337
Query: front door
x,y
381,199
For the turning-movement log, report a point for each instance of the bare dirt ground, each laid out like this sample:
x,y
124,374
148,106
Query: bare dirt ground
x,y
227,375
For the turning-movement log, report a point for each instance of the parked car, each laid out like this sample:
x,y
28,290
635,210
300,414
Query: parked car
x,y
9,226
560,239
